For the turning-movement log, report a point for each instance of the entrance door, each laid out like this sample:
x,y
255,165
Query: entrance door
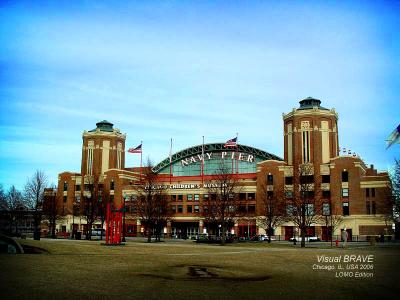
x,y
288,232
326,233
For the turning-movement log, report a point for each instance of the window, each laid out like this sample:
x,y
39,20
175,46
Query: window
x,y
189,209
196,209
270,179
345,206
326,178
373,207
345,192
345,176
326,194
180,197
368,207
78,188
305,127
307,194
270,194
373,192
196,197
65,186
180,209
173,197
205,208
242,196
206,197
242,208
189,197
251,196
367,192
77,199
326,209
306,179
289,210
310,209
251,208
65,199
289,194
173,208
112,185
289,180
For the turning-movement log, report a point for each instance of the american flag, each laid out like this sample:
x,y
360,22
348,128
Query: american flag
x,y
138,149
231,143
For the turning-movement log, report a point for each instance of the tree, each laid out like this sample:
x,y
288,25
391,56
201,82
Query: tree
x,y
51,209
395,196
14,204
3,199
331,218
34,195
304,203
272,209
151,204
221,207
91,197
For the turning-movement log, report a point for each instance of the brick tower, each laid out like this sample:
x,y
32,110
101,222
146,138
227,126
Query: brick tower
x,y
103,149
311,134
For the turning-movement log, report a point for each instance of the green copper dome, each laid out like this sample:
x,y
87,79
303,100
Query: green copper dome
x,y
103,126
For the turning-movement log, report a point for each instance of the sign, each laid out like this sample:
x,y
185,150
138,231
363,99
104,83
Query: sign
x,y
189,186
240,156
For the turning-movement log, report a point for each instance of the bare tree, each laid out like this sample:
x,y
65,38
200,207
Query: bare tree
x,y
273,208
90,206
221,208
14,204
34,195
51,210
331,218
3,199
395,188
304,205
151,204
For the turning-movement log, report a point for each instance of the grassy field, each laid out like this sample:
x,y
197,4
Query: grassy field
x,y
88,270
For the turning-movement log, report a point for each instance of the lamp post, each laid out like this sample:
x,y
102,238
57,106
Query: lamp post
x,y
123,220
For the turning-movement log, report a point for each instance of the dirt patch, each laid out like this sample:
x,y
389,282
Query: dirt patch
x,y
204,272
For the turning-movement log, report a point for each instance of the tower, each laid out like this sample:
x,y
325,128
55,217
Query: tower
x,y
103,149
310,133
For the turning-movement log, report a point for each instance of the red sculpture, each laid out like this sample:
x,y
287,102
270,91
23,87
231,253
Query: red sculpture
x,y
113,226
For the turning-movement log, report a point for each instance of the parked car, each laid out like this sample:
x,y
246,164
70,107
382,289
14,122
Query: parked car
x,y
96,233
307,239
272,238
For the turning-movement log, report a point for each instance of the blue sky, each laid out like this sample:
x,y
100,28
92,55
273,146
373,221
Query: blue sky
x,y
185,69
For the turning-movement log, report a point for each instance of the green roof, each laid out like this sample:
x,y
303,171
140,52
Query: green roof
x,y
103,126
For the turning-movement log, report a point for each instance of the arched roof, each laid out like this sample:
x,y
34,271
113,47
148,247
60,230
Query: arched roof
x,y
216,147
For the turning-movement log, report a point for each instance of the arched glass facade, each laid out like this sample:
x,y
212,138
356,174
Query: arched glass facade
x,y
188,162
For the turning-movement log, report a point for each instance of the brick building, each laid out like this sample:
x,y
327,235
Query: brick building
x,y
343,182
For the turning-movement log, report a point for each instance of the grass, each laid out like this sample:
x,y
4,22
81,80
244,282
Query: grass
x,y
88,270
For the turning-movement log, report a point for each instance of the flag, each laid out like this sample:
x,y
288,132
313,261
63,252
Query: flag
x,y
231,143
138,149
394,137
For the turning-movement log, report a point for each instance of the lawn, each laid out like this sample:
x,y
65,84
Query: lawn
x,y
88,270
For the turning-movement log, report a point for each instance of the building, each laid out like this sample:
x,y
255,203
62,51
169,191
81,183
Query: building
x,y
345,184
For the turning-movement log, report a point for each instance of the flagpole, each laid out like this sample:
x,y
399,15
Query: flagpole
x,y
141,153
202,163
170,162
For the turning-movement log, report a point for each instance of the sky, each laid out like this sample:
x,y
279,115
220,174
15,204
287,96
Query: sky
x,y
186,69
